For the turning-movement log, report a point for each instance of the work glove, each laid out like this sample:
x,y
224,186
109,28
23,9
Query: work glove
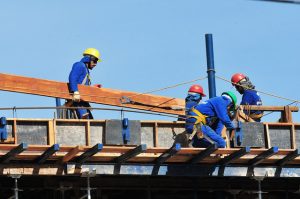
x,y
97,85
76,96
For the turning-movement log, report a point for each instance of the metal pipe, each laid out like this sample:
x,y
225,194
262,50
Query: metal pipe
x,y
58,104
16,189
210,65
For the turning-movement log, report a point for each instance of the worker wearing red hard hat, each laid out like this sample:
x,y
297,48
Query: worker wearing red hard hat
x,y
195,94
250,96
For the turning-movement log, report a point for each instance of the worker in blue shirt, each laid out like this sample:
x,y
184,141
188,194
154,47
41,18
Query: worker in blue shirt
x,y
207,119
80,74
250,96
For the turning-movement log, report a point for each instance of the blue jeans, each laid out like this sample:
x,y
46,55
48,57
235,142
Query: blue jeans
x,y
82,111
212,137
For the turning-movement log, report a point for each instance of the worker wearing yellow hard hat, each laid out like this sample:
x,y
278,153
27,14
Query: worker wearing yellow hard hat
x,y
80,74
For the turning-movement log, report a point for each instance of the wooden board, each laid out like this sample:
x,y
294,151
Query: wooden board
x,y
105,96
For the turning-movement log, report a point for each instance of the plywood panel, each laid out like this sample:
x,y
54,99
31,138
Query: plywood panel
x,y
147,135
280,136
96,133
9,128
70,133
167,135
297,135
32,132
113,132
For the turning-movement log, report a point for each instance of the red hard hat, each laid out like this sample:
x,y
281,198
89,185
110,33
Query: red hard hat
x,y
197,89
236,78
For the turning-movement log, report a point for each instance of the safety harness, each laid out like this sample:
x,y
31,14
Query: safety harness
x,y
200,120
86,78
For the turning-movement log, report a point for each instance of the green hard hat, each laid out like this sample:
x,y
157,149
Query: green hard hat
x,y
232,96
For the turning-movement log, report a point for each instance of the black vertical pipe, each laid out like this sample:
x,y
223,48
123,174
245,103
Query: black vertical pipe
x,y
210,65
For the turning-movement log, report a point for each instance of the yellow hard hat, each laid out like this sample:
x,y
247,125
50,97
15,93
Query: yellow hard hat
x,y
92,51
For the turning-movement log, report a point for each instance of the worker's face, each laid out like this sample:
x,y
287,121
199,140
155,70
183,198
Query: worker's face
x,y
93,63
239,89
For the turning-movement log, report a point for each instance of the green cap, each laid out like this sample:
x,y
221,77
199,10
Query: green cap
x,y
232,96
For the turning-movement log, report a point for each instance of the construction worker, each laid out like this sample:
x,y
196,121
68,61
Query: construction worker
x,y
206,120
80,74
194,96
250,96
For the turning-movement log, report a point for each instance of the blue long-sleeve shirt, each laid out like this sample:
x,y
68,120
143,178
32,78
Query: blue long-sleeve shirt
x,y
251,97
216,110
78,74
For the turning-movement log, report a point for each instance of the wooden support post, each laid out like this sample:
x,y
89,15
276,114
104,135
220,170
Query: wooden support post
x,y
293,137
51,135
14,130
286,115
88,133
267,136
155,128
71,154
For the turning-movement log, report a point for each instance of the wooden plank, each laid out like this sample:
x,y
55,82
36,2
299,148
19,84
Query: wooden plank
x,y
105,96
293,137
88,133
14,130
271,108
51,136
155,134
267,135
71,154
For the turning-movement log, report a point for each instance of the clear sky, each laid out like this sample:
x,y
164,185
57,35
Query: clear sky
x,y
150,44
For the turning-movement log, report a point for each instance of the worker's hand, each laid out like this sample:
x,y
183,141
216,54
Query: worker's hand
x,y
97,85
76,96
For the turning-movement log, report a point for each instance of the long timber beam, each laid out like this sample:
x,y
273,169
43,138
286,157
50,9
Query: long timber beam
x,y
35,86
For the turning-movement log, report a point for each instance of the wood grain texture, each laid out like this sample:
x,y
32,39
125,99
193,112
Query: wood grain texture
x,y
42,87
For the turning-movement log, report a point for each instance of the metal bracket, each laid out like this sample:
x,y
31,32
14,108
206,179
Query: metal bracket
x,y
88,174
16,189
125,100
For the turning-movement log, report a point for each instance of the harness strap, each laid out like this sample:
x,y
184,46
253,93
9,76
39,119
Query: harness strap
x,y
200,118
86,78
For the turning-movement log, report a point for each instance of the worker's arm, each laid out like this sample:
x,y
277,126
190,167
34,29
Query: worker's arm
x,y
222,114
74,78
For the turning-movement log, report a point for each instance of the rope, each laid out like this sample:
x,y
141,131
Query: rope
x,y
168,87
272,95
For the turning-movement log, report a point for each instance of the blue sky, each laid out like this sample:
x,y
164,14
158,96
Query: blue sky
x,y
150,44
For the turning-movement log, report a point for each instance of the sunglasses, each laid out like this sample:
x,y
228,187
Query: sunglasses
x,y
94,59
